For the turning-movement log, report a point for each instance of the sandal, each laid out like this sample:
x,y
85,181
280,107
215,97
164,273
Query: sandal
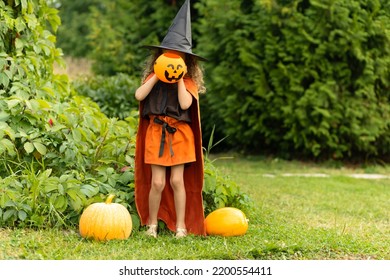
x,y
152,231
181,232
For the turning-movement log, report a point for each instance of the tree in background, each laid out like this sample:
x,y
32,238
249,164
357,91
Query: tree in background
x,y
72,35
300,77
112,33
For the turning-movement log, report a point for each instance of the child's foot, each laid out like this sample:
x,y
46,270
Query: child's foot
x,y
152,231
181,232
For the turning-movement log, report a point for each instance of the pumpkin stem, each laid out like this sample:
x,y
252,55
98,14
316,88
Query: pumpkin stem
x,y
110,198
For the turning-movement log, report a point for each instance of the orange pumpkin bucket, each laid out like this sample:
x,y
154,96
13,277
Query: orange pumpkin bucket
x,y
170,67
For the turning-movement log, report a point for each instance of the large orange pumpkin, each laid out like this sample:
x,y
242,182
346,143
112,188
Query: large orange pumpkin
x,y
170,67
226,221
105,221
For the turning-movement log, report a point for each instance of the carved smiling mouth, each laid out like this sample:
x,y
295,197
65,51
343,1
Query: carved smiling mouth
x,y
172,78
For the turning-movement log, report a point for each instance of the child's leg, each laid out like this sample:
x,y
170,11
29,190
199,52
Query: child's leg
x,y
157,186
179,192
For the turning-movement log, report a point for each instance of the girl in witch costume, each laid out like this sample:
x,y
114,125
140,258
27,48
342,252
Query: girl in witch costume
x,y
169,159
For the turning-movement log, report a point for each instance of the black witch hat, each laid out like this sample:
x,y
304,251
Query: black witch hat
x,y
179,36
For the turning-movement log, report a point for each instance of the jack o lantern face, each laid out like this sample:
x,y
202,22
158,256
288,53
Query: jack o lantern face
x,y
170,68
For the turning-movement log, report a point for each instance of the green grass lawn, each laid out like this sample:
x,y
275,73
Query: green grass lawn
x,y
294,217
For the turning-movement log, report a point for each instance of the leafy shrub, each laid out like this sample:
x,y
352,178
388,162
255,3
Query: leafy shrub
x,y
60,157
300,77
59,152
114,94
219,190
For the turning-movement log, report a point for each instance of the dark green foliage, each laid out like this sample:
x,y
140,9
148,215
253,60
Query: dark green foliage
x,y
75,27
300,77
114,95
120,29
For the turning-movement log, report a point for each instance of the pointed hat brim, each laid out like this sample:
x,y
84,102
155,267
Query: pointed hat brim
x,y
162,47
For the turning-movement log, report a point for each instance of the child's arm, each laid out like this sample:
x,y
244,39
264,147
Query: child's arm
x,y
185,98
144,90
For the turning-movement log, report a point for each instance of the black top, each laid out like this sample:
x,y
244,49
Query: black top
x,y
163,100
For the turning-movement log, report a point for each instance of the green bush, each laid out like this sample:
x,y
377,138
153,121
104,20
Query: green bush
x,y
114,94
57,158
219,190
300,77
59,152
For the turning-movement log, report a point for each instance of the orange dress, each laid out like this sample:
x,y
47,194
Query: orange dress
x,y
148,151
166,148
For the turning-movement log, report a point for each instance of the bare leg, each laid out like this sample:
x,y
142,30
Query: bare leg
x,y
157,186
179,192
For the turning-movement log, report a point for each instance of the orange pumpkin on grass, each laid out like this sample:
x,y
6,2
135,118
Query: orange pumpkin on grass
x,y
105,221
226,221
